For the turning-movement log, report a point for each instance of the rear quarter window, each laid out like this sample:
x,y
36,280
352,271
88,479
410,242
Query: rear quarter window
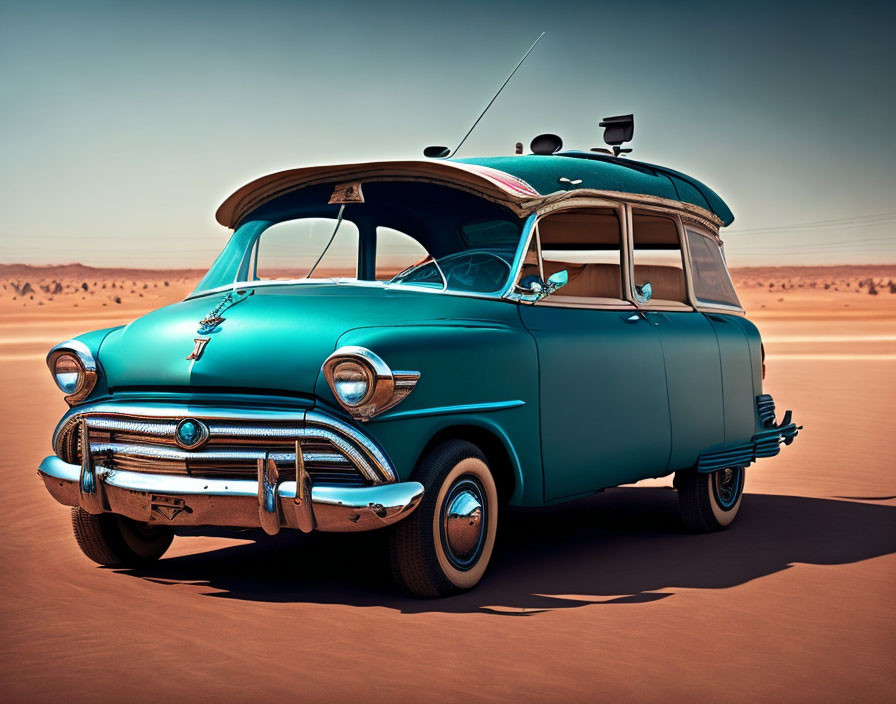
x,y
711,281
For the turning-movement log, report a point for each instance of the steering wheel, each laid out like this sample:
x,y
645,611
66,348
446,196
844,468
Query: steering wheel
x,y
475,271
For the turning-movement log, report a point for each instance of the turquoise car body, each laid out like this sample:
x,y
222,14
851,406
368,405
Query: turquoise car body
x,y
564,401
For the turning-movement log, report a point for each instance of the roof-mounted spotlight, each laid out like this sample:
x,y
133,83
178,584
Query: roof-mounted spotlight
x,y
617,131
546,144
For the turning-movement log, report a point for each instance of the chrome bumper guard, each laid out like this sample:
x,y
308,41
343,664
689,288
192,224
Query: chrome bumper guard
x,y
765,443
193,501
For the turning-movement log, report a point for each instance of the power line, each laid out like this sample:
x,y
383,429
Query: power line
x,y
833,223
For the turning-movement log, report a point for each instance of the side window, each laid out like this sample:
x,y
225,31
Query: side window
x,y
395,252
658,258
711,281
289,250
587,243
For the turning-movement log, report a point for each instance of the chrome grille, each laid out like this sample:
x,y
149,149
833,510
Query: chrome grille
x,y
331,450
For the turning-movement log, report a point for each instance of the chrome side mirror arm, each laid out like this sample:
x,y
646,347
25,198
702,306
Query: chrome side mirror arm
x,y
536,290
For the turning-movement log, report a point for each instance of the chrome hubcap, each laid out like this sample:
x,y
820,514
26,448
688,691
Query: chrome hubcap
x,y
463,523
727,485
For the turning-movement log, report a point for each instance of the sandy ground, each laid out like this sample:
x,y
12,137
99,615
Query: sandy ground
x,y
602,599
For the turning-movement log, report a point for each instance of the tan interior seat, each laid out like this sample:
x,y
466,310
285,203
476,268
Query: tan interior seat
x,y
667,282
585,280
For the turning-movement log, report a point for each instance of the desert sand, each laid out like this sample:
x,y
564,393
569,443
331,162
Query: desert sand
x,y
604,599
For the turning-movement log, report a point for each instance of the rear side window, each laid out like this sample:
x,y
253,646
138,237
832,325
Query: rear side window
x,y
658,259
711,281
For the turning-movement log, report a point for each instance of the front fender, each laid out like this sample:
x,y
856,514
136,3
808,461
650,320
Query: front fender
x,y
472,374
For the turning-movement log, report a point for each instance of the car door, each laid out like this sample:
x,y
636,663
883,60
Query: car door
x,y
604,411
689,341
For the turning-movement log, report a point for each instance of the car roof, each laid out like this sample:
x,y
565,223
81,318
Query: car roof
x,y
521,183
605,172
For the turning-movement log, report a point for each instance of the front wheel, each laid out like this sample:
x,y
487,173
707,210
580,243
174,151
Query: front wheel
x,y
116,541
710,502
446,544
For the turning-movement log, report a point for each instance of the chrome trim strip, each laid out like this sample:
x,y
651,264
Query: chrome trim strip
x,y
173,453
160,429
159,409
372,450
449,410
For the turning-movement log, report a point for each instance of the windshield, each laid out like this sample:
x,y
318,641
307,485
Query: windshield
x,y
403,235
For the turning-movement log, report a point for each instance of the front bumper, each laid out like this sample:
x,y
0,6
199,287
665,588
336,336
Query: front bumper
x,y
193,501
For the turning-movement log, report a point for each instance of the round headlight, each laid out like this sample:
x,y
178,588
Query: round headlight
x,y
74,370
352,382
67,372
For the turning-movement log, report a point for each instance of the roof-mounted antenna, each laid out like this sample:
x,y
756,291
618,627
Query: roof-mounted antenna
x,y
617,131
445,152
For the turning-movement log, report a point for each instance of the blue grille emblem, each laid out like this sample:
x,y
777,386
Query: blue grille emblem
x,y
191,433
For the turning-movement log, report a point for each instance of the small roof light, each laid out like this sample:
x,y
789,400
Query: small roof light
x,y
546,144
436,152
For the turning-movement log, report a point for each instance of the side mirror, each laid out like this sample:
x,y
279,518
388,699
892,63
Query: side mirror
x,y
644,293
556,280
533,289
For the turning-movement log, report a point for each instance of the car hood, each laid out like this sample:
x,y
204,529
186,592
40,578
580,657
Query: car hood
x,y
276,339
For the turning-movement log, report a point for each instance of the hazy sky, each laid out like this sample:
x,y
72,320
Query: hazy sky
x,y
124,125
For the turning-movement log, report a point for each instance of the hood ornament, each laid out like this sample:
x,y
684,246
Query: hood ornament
x,y
214,319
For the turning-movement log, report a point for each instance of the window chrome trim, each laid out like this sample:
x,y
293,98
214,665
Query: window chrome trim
x,y
702,306
556,301
499,295
348,282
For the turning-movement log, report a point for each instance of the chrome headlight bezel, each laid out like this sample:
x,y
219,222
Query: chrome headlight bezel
x,y
385,388
83,360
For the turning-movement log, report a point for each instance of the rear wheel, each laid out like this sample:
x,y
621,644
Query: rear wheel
x,y
446,544
114,540
710,502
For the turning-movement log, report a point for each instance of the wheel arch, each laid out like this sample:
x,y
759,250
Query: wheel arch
x,y
499,453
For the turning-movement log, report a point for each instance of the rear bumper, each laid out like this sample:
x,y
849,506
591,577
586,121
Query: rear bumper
x,y
193,501
765,443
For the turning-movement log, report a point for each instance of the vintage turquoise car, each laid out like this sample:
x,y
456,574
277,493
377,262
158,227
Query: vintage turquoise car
x,y
416,345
